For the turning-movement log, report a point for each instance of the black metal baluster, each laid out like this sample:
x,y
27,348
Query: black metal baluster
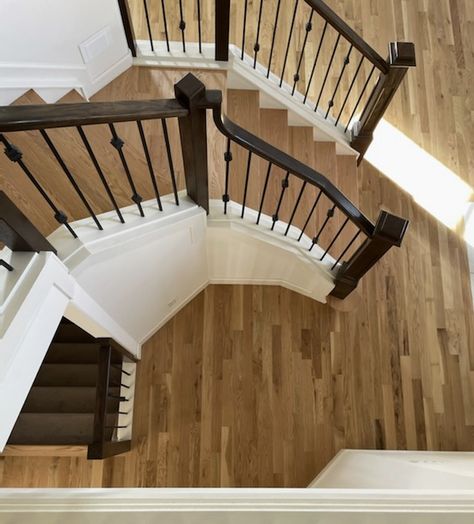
x,y
150,165
228,160
346,249
346,62
256,47
336,236
264,191
6,265
150,36
284,187
170,160
182,25
249,159
360,97
349,90
71,179
289,42
310,214
329,215
15,155
275,25
99,172
293,213
118,143
165,23
308,28
327,71
199,24
244,27
315,61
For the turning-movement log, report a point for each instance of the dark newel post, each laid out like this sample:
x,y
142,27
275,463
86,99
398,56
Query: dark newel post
x,y
17,232
192,130
401,58
389,231
127,25
222,30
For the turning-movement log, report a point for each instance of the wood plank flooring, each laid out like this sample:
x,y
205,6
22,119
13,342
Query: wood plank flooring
x,y
258,386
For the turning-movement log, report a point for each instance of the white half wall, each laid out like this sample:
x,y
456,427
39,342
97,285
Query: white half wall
x,y
59,45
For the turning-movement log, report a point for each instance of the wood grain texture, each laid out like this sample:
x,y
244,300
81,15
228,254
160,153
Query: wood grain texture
x,y
258,386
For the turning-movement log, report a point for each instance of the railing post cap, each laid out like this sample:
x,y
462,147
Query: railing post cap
x,y
391,228
402,54
189,90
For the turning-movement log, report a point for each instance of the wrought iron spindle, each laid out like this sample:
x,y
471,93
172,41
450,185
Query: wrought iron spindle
x,y
182,25
244,27
264,191
170,159
289,42
275,26
199,24
346,63
94,161
165,23
346,98
148,25
150,165
360,97
308,28
71,179
336,236
310,214
256,47
329,215
15,155
327,71
313,69
346,249
293,213
228,160
247,176
118,144
284,187
6,265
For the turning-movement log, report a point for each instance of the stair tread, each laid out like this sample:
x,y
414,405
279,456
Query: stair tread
x,y
76,353
55,428
71,333
66,399
66,374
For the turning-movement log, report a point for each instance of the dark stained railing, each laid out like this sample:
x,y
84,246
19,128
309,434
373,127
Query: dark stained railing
x,y
39,118
306,206
374,239
106,423
350,85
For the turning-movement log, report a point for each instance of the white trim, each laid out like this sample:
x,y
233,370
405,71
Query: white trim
x,y
242,75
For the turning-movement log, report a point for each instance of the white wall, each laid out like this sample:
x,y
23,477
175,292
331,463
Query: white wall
x,y
143,272
39,44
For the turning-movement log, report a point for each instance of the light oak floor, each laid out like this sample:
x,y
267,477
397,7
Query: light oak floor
x,y
259,386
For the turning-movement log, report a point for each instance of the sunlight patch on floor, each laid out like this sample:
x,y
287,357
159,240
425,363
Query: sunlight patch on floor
x,y
433,186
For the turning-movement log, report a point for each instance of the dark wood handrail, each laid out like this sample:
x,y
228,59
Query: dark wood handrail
x,y
213,100
348,33
23,118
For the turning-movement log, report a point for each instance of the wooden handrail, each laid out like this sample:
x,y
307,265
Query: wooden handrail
x,y
348,33
213,100
23,118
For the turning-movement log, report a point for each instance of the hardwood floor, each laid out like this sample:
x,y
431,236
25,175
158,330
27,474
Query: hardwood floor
x,y
259,386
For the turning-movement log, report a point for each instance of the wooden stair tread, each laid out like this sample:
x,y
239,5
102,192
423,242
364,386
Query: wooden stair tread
x,y
64,374
76,353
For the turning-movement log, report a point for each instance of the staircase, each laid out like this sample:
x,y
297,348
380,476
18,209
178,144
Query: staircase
x,y
63,405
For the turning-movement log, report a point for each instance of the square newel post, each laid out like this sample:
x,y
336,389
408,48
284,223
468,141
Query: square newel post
x,y
222,22
192,130
389,231
401,58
